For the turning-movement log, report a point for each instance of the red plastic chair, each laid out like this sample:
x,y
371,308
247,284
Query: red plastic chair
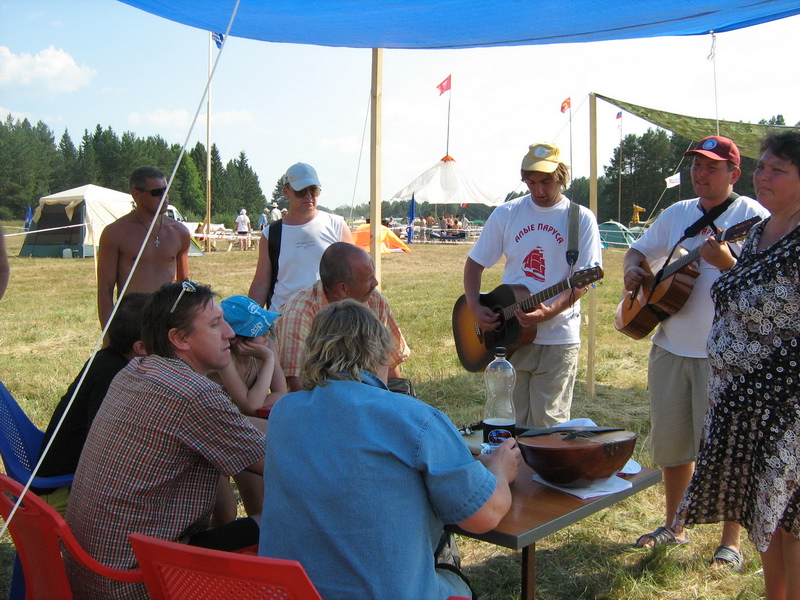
x,y
38,531
175,571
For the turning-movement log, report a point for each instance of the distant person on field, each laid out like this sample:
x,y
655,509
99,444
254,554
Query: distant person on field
x,y
263,219
5,268
275,214
243,229
124,335
166,254
305,233
364,512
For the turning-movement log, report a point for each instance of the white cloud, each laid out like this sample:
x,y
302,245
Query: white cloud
x,y
52,69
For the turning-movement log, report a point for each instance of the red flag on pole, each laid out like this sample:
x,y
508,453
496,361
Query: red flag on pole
x,y
444,86
566,105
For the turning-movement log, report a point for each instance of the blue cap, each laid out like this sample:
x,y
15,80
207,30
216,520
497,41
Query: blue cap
x,y
246,317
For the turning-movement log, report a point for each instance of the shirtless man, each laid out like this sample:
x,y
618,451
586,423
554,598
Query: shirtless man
x,y
165,257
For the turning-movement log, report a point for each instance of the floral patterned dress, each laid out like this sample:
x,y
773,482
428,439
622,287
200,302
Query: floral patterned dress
x,y
748,469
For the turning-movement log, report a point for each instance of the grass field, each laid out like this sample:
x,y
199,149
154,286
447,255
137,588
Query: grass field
x,y
48,328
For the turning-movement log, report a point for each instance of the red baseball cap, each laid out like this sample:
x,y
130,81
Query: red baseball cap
x,y
716,147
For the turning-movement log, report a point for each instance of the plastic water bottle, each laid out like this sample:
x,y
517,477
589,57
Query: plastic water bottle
x,y
498,417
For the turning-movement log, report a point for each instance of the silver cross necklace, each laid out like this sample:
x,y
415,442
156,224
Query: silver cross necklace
x,y
156,242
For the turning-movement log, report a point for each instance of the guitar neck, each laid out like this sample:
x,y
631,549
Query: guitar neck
x,y
528,304
691,256
681,262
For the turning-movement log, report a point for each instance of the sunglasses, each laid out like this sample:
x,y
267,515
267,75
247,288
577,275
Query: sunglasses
x,y
312,189
186,286
156,193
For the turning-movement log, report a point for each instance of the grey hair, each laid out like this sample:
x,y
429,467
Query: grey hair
x,y
345,338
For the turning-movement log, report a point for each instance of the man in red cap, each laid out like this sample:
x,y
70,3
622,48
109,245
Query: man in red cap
x,y
678,366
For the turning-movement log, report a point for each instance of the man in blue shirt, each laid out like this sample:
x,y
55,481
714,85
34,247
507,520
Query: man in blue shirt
x,y
363,507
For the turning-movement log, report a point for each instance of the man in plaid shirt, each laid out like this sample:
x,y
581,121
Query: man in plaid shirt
x,y
159,442
345,271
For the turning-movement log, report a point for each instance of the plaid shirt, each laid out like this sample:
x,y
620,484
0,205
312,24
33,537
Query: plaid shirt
x,y
294,325
151,465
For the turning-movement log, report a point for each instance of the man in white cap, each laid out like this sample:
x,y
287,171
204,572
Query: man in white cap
x,y
289,262
532,233
275,213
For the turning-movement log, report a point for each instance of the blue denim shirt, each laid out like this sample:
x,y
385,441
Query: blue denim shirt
x,y
359,482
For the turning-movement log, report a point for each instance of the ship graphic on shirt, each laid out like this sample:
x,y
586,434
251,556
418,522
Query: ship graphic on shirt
x,y
533,266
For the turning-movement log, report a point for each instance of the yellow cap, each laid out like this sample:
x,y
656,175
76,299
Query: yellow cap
x,y
543,158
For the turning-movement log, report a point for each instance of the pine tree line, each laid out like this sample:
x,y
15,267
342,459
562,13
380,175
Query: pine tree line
x,y
33,165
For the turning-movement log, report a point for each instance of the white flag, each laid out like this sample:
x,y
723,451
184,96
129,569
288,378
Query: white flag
x,y
673,180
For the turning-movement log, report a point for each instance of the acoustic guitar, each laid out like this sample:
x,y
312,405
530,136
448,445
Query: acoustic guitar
x,y
644,307
475,346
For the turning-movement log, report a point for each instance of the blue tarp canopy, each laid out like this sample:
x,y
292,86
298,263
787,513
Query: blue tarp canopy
x,y
465,23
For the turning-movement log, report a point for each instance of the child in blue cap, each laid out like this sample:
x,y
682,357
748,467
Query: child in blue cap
x,y
253,379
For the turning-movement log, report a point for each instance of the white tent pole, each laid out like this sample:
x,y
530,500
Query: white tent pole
x,y
590,370
375,160
208,153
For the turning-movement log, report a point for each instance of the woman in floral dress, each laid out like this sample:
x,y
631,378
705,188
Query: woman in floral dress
x,y
748,470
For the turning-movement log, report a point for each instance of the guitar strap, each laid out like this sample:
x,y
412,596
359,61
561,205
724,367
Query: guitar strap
x,y
706,219
573,237
274,241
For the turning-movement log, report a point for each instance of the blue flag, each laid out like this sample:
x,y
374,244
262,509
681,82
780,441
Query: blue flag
x,y
28,218
218,38
412,214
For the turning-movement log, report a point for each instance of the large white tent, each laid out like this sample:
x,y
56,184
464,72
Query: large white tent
x,y
446,183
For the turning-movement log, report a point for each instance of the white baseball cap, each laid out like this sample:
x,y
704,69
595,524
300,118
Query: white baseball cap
x,y
300,176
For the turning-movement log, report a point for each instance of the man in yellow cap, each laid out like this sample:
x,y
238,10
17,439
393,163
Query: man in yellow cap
x,y
532,233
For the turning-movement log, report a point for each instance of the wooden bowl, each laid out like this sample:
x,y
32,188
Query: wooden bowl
x,y
580,461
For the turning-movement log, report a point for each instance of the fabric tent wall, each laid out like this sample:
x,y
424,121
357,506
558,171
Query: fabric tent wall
x,y
91,206
465,23
747,136
615,235
389,242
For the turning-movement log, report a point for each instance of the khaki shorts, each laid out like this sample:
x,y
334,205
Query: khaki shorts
x,y
545,380
678,404
58,499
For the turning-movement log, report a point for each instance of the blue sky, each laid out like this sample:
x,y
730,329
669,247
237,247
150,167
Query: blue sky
x,y
79,63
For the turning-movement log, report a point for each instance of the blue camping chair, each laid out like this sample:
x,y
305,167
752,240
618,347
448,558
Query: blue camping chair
x,y
20,442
